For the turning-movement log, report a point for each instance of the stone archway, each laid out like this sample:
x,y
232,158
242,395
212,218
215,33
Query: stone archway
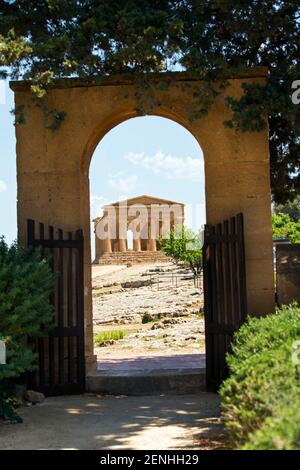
x,y
53,167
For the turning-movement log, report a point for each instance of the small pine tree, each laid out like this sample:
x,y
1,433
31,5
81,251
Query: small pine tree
x,y
26,282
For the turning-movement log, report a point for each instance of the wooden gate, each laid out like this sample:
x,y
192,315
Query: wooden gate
x,y
61,353
225,295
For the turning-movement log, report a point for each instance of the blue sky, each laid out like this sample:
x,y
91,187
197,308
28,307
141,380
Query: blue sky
x,y
8,184
147,155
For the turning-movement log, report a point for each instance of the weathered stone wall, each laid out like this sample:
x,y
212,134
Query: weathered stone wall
x,y
53,167
288,273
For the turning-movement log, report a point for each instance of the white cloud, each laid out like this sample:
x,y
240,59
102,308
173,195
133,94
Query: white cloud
x,y
96,199
96,205
172,167
3,187
122,183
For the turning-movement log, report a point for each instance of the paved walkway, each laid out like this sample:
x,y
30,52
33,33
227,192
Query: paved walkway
x,y
95,423
174,361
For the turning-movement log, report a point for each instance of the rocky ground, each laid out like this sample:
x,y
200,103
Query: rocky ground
x,y
164,297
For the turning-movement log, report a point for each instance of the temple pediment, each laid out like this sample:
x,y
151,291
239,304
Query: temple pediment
x,y
145,200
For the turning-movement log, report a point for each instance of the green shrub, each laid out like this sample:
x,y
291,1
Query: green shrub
x,y
280,432
264,382
26,282
148,318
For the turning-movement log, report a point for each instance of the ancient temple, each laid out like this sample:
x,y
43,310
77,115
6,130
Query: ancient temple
x,y
140,220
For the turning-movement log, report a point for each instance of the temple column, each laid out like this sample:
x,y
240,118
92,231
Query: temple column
x,y
122,245
122,233
151,246
151,242
104,241
99,247
137,246
107,245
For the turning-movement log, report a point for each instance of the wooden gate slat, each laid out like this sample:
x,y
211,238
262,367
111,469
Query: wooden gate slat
x,y
225,293
51,356
70,311
61,309
242,268
41,342
228,275
221,302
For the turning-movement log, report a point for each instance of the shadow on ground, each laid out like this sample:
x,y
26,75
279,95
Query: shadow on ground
x,y
93,422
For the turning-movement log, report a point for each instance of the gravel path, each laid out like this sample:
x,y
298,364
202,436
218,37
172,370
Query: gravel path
x,y
97,423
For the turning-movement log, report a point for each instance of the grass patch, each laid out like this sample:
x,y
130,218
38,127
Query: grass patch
x,y
115,335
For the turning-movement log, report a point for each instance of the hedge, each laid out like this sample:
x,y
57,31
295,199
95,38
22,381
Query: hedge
x,y
261,398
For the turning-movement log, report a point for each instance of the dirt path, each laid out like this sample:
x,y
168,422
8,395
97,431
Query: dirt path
x,y
95,423
165,294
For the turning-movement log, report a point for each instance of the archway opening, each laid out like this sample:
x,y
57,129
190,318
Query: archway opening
x,y
147,305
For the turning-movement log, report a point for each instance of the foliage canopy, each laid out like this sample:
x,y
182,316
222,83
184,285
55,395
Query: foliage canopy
x,y
291,208
285,227
44,39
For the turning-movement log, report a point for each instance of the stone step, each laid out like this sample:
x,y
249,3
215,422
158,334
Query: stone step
x,y
133,257
147,382
143,254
